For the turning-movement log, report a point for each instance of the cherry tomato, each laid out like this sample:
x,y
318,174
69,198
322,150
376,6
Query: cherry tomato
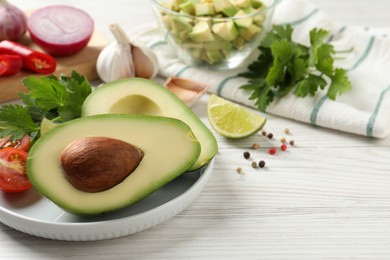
x,y
13,176
22,144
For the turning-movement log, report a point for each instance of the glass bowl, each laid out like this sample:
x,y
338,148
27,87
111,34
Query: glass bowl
x,y
223,37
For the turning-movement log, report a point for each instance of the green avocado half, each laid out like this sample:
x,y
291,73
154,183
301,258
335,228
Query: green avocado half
x,y
146,97
168,145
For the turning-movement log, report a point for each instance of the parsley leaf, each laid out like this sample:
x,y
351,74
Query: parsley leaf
x,y
16,121
285,66
58,99
78,88
318,36
339,85
279,32
46,91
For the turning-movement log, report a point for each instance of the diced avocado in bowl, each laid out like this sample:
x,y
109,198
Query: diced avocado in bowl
x,y
195,27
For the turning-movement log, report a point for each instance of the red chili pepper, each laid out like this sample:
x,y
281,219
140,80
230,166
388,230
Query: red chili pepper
x,y
10,64
32,60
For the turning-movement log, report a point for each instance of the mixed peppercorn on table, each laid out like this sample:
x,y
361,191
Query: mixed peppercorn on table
x,y
292,191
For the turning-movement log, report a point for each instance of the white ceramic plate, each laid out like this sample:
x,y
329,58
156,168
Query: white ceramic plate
x,y
33,214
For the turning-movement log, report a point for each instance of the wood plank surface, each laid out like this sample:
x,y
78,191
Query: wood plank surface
x,y
84,62
328,197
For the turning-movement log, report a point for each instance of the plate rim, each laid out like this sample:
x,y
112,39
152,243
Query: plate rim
x,y
145,219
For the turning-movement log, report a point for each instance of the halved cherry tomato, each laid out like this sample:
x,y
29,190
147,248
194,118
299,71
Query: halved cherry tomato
x,y
22,144
13,175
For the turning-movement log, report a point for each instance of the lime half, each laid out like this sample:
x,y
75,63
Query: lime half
x,y
46,125
232,120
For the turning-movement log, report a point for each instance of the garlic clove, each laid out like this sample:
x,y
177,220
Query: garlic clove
x,y
145,61
187,90
115,62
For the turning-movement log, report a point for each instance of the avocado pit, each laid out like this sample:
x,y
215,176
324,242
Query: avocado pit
x,y
94,164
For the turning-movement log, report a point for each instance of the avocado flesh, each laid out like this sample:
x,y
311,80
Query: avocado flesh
x,y
169,147
145,97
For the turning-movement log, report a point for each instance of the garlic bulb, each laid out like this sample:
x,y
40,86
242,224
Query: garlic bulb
x,y
124,58
187,90
115,60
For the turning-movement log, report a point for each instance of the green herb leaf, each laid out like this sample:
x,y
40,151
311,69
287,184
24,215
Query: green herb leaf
x,y
278,32
284,66
53,97
276,73
260,67
47,92
340,84
323,58
15,121
283,50
58,99
36,113
309,85
318,36
299,68
78,88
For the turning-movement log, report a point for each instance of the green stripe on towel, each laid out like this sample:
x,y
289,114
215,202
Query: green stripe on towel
x,y
365,53
317,107
342,29
303,19
153,45
182,70
314,113
223,83
371,121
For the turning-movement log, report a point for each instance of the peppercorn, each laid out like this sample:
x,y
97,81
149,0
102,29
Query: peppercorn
x,y
247,155
264,133
287,131
254,164
270,136
255,146
239,170
292,142
283,147
261,164
283,140
272,151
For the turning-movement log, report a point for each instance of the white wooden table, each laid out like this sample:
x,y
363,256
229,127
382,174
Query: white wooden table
x,y
328,197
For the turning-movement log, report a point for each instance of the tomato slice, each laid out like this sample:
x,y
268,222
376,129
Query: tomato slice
x,y
22,144
13,175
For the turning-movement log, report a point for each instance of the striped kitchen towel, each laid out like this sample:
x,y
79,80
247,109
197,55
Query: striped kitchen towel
x,y
365,110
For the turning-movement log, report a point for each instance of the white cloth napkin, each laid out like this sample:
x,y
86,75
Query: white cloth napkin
x,y
365,110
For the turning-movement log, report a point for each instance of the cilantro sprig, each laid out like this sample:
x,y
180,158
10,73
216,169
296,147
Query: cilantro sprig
x,y
16,121
58,99
285,66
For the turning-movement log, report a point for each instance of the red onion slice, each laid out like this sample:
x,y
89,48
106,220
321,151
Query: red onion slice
x,y
60,30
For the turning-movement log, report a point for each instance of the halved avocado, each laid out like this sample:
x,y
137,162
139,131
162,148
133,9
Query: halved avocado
x,y
168,145
146,97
